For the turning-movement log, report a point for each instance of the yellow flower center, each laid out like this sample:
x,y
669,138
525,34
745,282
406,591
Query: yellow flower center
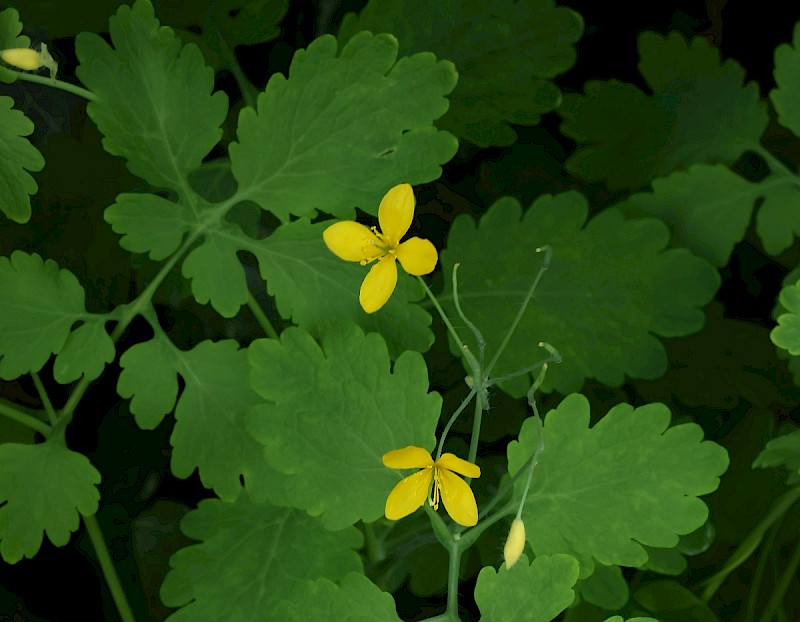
x,y
385,246
433,497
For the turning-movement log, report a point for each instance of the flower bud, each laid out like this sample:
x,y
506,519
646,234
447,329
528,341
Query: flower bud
x,y
22,58
515,543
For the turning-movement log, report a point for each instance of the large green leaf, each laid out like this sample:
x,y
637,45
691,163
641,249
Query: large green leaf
x,y
17,157
251,557
506,54
43,488
699,111
610,289
535,592
209,431
343,390
601,493
343,129
154,103
357,599
38,308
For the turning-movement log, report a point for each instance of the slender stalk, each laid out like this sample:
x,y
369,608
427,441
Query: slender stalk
x,y
548,253
779,593
751,542
108,569
48,405
452,580
247,90
758,575
32,422
57,84
261,317
476,434
453,418
774,163
442,314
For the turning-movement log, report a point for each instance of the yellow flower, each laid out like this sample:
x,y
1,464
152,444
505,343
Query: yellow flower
x,y
411,492
353,241
22,58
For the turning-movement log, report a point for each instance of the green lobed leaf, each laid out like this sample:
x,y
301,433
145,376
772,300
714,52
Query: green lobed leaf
x,y
39,306
600,493
43,488
787,334
672,602
341,130
699,111
343,390
209,432
783,451
149,223
18,156
10,27
251,556
154,103
356,599
611,287
605,587
787,93
506,53
535,592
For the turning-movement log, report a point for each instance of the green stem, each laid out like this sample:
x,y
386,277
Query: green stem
x,y
107,567
779,593
48,405
245,87
452,580
372,545
261,317
453,418
751,542
442,314
476,434
32,422
758,575
58,84
548,253
774,163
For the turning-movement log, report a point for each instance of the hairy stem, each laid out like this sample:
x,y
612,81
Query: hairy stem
x,y
48,405
107,567
452,580
20,417
261,317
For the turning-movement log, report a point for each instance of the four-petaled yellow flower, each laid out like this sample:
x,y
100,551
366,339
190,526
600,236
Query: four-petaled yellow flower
x,y
410,492
353,241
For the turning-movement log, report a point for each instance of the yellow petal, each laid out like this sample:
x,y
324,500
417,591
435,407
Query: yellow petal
x,y
409,494
378,285
451,462
396,212
458,499
417,256
352,241
23,58
410,457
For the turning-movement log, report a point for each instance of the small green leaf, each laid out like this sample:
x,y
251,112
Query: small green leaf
x,y
154,103
209,432
18,156
640,478
149,224
86,352
256,552
39,305
605,587
664,561
699,112
783,451
506,53
341,130
43,488
343,389
611,287
535,592
672,602
787,334
356,599
787,93
10,27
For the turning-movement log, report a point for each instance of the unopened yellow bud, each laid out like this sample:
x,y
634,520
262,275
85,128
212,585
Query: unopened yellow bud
x,y
515,543
22,58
